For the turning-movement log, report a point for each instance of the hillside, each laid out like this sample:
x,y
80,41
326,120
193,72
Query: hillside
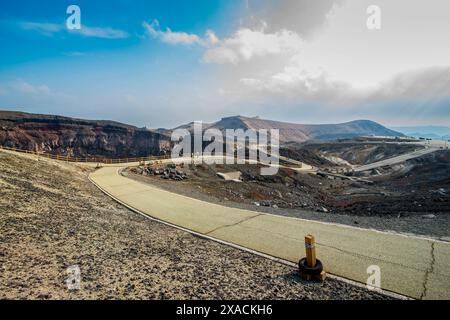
x,y
292,132
78,137
428,132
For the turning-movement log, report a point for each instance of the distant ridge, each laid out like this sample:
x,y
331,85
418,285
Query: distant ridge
x,y
428,132
25,117
292,132
78,137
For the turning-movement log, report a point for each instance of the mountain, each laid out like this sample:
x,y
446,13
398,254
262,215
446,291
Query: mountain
x,y
78,137
292,132
428,132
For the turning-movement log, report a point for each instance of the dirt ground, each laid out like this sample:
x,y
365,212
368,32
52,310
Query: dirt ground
x,y
52,217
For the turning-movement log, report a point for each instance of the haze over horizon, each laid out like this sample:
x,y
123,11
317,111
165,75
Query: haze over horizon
x,y
293,61
405,130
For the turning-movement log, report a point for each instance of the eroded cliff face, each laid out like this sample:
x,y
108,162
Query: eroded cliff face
x,y
79,138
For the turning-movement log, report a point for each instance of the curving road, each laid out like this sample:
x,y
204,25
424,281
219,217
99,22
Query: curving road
x,y
396,160
411,266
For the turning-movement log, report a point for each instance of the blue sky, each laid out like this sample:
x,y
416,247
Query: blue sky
x,y
162,63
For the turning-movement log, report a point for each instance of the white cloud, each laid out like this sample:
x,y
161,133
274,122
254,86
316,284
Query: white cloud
x,y
76,54
426,87
172,37
211,37
47,29
345,69
305,17
50,29
422,84
168,36
104,33
244,45
247,44
28,88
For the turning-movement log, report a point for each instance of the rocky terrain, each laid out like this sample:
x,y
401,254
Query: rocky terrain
x,y
413,197
85,138
79,138
52,218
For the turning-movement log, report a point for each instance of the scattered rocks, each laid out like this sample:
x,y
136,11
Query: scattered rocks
x,y
170,172
266,203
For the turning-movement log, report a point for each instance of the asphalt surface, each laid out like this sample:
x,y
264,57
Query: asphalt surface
x,y
396,160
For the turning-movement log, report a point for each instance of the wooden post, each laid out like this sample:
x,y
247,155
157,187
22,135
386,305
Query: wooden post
x,y
311,260
310,245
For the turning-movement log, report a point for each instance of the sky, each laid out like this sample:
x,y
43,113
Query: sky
x,y
164,63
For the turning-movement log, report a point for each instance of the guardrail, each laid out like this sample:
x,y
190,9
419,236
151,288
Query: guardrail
x,y
103,160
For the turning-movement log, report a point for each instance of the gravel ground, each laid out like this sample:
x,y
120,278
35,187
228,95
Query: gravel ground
x,y
52,217
437,227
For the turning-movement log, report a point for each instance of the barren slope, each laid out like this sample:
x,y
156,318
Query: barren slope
x,y
77,137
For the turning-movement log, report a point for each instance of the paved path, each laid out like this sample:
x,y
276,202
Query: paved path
x,y
301,165
396,160
412,266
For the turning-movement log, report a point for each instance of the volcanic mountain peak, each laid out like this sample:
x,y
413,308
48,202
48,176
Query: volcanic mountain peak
x,y
80,137
303,132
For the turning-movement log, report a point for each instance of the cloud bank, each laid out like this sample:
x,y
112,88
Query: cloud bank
x,y
297,53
